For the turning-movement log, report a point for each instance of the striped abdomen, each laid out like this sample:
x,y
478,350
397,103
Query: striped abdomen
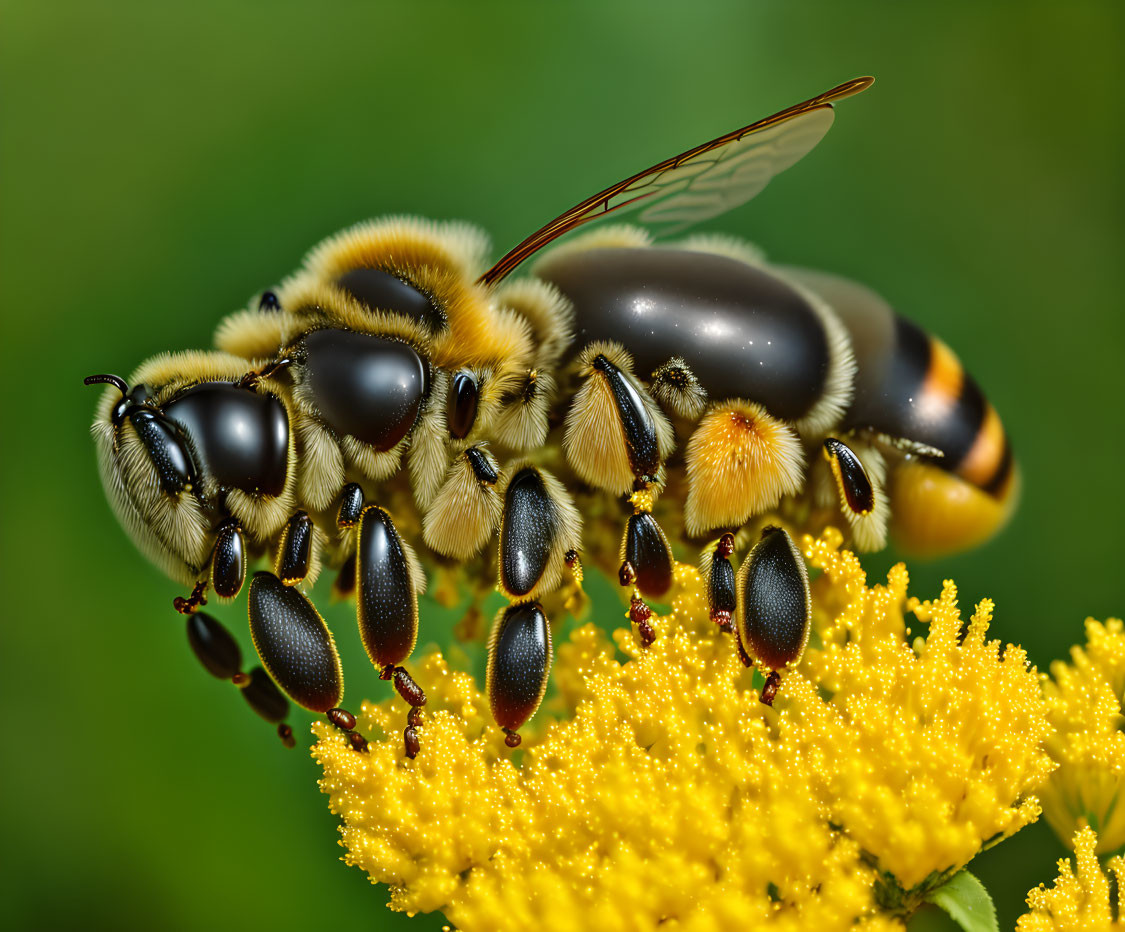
x,y
910,385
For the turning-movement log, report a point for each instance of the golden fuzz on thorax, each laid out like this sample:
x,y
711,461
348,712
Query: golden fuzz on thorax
x,y
441,260
657,787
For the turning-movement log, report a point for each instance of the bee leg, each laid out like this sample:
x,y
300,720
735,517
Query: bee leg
x,y
226,569
252,378
263,696
464,512
540,533
294,551
191,604
617,439
646,563
519,662
410,738
641,615
775,611
219,654
742,655
388,581
294,643
856,492
770,688
343,585
351,506
858,472
718,573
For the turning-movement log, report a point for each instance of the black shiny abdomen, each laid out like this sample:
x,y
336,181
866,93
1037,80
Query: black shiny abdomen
x,y
240,436
889,397
742,331
366,386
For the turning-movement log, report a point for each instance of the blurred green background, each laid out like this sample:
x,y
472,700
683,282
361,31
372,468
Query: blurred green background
x,y
160,164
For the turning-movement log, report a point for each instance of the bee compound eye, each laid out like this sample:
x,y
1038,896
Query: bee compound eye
x,y
461,411
369,387
241,436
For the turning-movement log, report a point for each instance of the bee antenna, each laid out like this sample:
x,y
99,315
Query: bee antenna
x,y
113,380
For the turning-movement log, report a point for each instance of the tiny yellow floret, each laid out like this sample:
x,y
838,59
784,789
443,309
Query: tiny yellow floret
x,y
1084,701
1079,901
653,789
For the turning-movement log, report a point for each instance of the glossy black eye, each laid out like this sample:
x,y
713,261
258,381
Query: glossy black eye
x,y
366,386
381,291
241,437
462,409
269,302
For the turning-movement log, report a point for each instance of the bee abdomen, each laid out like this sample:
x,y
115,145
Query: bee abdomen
x,y
744,332
910,385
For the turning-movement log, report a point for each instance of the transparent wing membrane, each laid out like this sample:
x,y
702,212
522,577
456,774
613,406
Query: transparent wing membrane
x,y
701,183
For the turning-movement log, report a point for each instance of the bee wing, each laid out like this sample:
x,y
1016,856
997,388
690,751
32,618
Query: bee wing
x,y
703,182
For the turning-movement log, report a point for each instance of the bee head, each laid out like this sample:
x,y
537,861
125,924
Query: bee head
x,y
191,442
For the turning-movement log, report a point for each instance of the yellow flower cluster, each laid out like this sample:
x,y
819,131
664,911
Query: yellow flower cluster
x,y
1084,701
1077,902
655,790
930,750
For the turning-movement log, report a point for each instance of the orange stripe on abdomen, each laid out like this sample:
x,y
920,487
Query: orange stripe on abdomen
x,y
988,464
944,378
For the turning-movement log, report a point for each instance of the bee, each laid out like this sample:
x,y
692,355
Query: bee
x,y
396,392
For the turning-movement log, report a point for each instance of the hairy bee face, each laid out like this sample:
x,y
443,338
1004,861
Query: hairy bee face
x,y
187,446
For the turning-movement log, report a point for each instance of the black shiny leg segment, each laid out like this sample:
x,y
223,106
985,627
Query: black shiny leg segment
x,y
295,549
519,662
294,643
851,478
228,560
646,563
387,610
721,593
219,653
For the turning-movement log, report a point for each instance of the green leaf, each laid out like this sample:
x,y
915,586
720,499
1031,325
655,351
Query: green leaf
x,y
967,902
